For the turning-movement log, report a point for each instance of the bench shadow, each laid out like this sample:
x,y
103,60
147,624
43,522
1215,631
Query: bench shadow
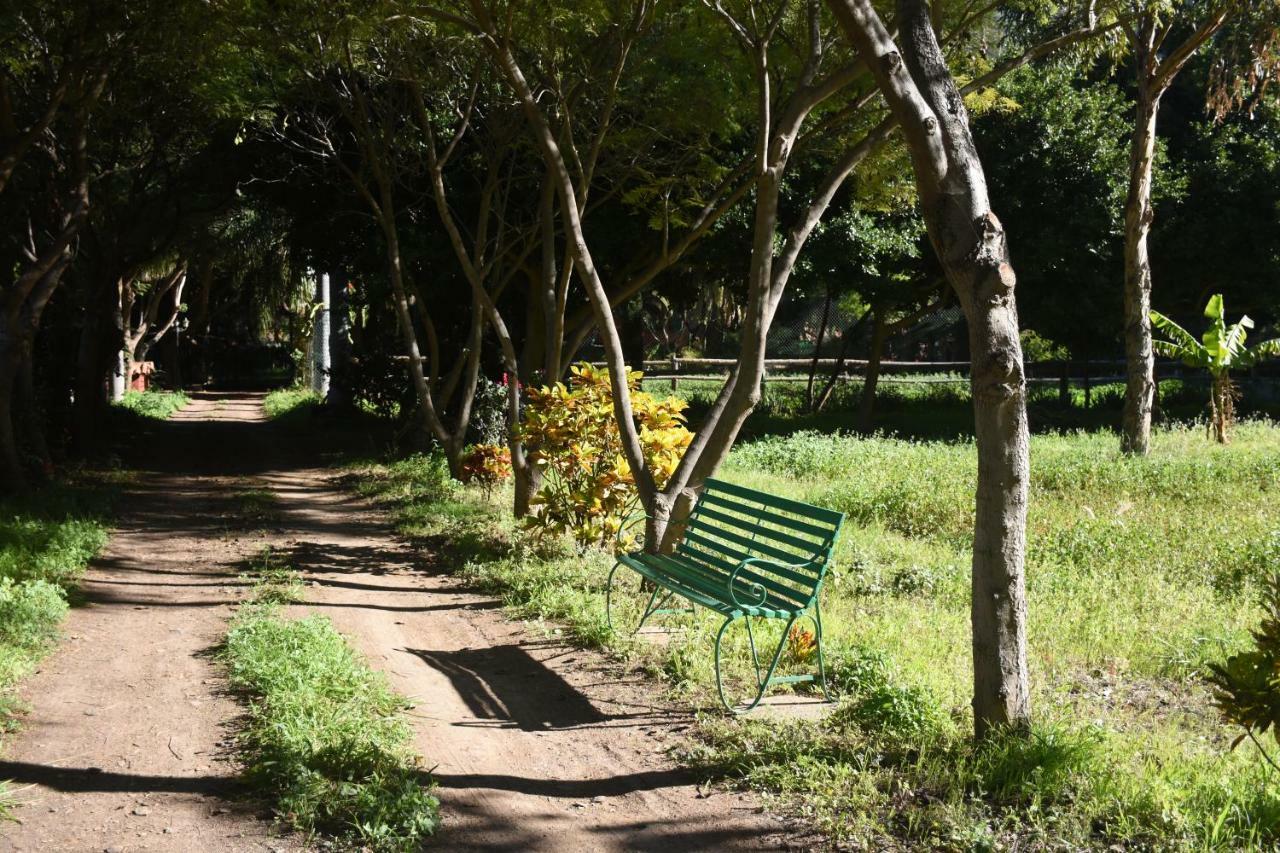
x,y
91,779
507,685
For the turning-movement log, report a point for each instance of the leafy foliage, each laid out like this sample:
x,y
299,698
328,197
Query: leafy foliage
x,y
1248,684
1220,351
486,465
589,491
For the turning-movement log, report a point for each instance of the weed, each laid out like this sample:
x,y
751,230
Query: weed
x,y
256,507
275,582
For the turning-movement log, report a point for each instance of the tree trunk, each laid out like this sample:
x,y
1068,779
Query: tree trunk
x,y
13,477
970,243
1139,356
810,402
94,361
320,364
340,392
867,404
30,418
1221,408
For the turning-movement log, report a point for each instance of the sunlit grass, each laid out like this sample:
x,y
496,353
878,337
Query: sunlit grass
x,y
324,736
1139,573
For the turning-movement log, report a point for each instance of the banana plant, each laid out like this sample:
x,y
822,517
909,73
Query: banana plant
x,y
1220,350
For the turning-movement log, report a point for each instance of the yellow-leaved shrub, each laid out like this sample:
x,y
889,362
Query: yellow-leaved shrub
x,y
588,491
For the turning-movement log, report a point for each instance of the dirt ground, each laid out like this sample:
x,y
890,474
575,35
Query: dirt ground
x,y
536,745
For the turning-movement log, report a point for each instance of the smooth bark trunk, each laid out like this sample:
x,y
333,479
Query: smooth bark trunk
x,y
1139,355
340,393
970,243
13,476
320,365
871,379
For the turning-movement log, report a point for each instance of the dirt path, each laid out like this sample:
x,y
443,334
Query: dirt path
x,y
123,749
536,745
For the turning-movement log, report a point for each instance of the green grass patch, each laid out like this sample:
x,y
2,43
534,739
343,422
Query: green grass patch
x,y
287,402
324,737
1140,572
46,540
157,405
274,580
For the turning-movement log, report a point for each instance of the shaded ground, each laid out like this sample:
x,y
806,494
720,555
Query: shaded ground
x,y
536,745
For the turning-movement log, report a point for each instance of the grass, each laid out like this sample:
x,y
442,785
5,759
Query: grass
x,y
1139,573
324,736
939,406
157,405
46,540
285,402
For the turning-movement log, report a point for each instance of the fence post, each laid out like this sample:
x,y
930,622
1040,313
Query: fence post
x,y
675,368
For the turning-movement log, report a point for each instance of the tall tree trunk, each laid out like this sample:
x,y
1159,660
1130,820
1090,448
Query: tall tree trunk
x,y
30,420
340,395
13,477
809,401
320,364
95,359
1139,356
871,380
970,243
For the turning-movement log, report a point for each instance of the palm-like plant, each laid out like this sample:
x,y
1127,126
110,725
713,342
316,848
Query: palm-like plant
x,y
1220,351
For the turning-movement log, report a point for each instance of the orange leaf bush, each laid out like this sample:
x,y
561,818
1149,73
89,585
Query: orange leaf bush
x,y
588,491
486,465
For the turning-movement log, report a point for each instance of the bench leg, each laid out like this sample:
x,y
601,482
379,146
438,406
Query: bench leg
x,y
654,605
762,683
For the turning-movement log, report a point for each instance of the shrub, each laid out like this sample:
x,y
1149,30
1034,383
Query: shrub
x,y
1247,685
486,465
891,713
488,425
30,612
589,491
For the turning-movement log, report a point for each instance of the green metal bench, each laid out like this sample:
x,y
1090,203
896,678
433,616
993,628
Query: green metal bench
x,y
745,554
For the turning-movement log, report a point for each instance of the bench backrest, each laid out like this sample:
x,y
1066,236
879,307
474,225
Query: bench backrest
x,y
731,522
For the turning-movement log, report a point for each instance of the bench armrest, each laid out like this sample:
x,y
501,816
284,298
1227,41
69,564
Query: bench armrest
x,y
757,589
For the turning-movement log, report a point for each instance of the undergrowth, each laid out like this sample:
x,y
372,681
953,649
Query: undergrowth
x,y
46,540
324,735
158,405
1139,575
289,401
